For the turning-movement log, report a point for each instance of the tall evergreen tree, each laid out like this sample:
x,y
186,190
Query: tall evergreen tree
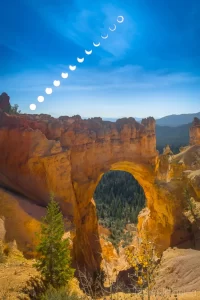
x,y
54,254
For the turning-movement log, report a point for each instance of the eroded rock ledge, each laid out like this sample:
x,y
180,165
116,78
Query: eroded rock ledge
x,y
74,131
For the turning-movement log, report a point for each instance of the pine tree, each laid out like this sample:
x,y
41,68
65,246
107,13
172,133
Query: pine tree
x,y
54,255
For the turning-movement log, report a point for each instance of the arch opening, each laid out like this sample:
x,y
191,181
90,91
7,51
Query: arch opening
x,y
156,221
119,199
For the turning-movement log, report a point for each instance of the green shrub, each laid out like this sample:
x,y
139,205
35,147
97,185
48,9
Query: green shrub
x,y
33,288
14,110
60,294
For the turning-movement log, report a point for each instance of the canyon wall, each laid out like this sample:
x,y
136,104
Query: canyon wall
x,y
68,156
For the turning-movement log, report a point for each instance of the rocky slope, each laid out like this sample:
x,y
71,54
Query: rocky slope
x,y
179,270
68,156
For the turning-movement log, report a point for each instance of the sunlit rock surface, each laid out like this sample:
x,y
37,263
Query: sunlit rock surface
x,y
68,156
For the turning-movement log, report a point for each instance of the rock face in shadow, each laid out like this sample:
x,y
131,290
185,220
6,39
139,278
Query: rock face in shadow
x,y
4,102
195,132
68,156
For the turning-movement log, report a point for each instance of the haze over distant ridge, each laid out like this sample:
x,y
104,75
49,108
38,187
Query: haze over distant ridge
x,y
172,130
177,120
170,121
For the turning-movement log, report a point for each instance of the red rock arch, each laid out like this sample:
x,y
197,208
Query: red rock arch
x,y
68,156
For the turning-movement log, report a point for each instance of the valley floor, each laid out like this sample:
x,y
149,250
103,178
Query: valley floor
x,y
179,269
13,276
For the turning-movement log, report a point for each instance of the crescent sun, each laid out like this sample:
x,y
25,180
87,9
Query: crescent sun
x,y
72,68
104,37
96,45
56,83
80,60
120,19
113,29
48,91
88,52
64,75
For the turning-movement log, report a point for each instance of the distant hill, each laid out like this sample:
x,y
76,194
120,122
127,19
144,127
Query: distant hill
x,y
175,137
110,119
177,120
170,121
115,119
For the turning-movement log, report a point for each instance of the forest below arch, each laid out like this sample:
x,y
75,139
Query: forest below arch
x,y
119,199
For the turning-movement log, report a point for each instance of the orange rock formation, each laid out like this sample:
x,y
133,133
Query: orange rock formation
x,y
68,156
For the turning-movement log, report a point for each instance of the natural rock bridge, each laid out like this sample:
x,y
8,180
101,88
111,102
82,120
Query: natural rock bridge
x,y
68,156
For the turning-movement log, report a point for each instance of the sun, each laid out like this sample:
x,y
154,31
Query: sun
x,y
56,83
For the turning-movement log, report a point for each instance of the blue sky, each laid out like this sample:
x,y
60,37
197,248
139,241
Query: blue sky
x,y
149,66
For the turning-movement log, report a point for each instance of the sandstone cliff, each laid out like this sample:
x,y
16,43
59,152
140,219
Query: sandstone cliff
x,y
68,156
